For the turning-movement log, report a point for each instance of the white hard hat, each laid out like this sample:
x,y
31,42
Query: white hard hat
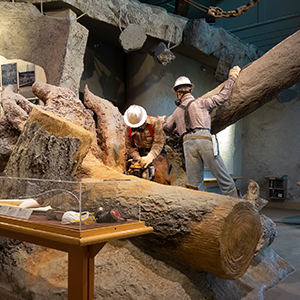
x,y
182,80
135,116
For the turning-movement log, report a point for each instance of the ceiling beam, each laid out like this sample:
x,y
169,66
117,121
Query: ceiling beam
x,y
181,8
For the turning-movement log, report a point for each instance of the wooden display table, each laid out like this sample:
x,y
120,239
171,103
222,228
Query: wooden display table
x,y
212,182
82,245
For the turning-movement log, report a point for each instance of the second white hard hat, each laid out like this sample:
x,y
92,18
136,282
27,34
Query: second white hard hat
x,y
135,116
182,80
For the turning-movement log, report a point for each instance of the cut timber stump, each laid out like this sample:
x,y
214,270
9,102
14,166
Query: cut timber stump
x,y
49,147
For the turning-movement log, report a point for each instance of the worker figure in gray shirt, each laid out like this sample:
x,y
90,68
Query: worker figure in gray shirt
x,y
193,122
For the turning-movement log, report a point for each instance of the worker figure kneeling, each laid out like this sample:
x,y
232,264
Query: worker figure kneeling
x,y
146,157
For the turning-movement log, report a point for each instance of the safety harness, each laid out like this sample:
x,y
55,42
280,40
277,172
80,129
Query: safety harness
x,y
187,124
150,129
187,115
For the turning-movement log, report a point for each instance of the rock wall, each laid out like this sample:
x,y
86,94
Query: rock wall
x,y
218,42
44,41
270,145
153,20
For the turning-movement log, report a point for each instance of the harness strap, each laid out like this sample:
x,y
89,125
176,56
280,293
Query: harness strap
x,y
151,130
129,132
194,137
149,127
187,119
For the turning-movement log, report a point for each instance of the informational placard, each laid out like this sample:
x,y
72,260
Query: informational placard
x,y
9,74
15,211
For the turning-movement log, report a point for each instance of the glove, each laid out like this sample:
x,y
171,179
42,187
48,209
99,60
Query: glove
x,y
144,161
234,72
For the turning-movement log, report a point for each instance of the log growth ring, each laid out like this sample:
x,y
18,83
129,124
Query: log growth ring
x,y
223,243
239,238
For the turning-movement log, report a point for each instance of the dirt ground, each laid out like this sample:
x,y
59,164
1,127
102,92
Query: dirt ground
x,y
7,295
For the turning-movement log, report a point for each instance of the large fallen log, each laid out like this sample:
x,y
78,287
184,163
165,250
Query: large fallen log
x,y
260,82
209,232
223,242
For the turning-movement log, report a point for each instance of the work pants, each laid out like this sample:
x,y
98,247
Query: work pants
x,y
198,152
161,169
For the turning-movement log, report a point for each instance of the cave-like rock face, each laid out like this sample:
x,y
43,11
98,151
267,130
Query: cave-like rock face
x,y
55,44
154,21
124,271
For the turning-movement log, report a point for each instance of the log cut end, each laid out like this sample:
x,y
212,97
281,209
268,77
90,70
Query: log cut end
x,y
63,128
224,242
49,147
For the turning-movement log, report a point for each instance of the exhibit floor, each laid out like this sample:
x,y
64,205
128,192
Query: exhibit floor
x,y
286,244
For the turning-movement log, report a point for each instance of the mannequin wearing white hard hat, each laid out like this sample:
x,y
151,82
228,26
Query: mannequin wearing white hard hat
x,y
182,87
192,120
145,142
182,81
135,116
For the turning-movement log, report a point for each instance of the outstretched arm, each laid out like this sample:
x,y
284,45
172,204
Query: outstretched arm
x,y
224,94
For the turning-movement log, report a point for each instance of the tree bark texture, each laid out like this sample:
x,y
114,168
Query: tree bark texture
x,y
259,83
223,243
209,232
49,147
110,130
63,102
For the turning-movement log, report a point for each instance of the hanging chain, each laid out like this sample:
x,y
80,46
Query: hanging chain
x,y
218,12
197,5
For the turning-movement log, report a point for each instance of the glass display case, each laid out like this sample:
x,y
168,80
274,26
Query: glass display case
x,y
75,217
70,204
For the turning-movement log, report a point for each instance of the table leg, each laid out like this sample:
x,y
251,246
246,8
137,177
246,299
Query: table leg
x,y
81,271
79,274
93,251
